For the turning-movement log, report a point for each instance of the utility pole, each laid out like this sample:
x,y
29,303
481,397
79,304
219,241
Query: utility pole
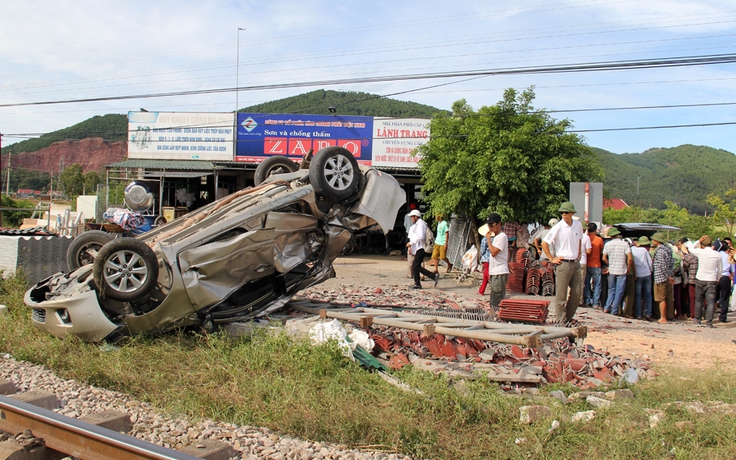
x,y
237,75
7,182
1,175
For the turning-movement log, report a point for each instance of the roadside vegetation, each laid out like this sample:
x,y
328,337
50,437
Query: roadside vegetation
x,y
269,379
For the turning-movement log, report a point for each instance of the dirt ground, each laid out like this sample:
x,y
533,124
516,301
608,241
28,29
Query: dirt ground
x,y
677,343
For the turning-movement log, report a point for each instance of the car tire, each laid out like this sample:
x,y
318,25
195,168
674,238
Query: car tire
x,y
160,220
85,247
273,165
125,269
334,174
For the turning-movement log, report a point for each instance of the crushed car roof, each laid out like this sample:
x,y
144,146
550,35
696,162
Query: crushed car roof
x,y
629,229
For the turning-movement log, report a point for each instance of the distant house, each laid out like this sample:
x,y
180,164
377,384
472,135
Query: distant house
x,y
615,203
25,193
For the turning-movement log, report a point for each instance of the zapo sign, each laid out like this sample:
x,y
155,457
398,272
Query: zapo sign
x,y
373,141
262,135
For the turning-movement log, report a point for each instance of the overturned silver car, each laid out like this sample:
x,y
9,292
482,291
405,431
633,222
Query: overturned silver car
x,y
240,257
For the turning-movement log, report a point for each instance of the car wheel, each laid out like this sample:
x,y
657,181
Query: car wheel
x,y
273,165
334,174
125,269
160,220
84,248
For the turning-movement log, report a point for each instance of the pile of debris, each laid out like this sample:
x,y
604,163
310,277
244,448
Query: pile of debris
x,y
458,337
556,361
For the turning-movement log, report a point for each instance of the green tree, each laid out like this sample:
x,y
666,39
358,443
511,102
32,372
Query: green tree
x,y
72,181
508,158
91,180
24,178
725,213
631,214
13,219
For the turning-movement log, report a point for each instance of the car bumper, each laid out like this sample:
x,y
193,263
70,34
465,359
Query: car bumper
x,y
79,315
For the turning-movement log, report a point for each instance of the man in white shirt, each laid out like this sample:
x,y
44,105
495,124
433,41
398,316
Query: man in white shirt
x,y
415,247
566,236
710,267
498,263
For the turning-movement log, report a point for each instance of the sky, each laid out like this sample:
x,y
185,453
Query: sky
x,y
62,62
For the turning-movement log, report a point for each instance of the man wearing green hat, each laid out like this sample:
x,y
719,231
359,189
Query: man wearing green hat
x,y
566,237
664,277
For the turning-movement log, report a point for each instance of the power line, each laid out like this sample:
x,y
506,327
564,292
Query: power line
x,y
685,61
645,107
640,128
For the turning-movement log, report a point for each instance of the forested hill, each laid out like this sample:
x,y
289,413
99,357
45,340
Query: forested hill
x,y
110,127
346,103
684,175
114,127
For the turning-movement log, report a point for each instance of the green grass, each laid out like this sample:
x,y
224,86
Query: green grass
x,y
315,393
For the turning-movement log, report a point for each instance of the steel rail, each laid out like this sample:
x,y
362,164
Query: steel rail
x,y
77,438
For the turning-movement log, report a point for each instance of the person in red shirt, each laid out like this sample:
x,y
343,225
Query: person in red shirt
x,y
592,288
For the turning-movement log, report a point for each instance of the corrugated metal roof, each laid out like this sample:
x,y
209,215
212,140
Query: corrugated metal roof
x,y
24,232
182,165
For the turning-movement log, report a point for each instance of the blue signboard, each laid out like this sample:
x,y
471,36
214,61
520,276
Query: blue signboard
x,y
260,135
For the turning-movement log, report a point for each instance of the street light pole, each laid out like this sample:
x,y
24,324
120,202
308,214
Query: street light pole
x,y
237,73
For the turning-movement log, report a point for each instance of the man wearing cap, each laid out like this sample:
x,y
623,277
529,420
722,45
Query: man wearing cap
x,y
617,254
592,290
407,226
498,265
664,277
710,267
643,281
566,237
415,246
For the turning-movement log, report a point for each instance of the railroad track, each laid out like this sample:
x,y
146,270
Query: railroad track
x,y
43,434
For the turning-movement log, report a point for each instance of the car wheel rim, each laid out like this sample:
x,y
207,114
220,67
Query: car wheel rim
x,y
125,271
339,172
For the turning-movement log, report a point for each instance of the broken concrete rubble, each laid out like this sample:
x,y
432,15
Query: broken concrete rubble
x,y
456,336
584,416
598,402
534,414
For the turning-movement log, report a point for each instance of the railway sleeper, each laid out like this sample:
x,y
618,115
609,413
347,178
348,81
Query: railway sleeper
x,y
30,430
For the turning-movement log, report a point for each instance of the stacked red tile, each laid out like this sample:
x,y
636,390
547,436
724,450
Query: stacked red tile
x,y
548,278
515,282
524,310
533,280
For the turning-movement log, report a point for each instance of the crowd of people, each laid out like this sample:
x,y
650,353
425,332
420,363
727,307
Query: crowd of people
x,y
645,278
